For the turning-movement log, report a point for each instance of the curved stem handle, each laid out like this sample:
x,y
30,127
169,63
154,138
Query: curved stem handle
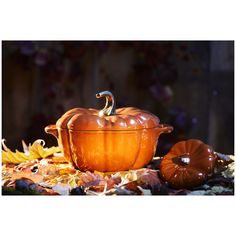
x,y
164,128
110,106
51,129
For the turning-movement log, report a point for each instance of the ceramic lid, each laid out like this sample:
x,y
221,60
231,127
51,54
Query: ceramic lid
x,y
109,118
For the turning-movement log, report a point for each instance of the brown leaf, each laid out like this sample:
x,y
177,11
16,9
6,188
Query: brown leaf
x,y
88,179
133,186
64,171
116,179
110,183
147,177
27,173
96,181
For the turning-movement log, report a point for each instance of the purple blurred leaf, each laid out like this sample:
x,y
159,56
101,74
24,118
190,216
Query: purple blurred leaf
x,y
27,48
41,58
161,93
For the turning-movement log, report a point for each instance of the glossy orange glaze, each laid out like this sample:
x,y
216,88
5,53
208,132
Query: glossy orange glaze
x,y
201,160
128,118
118,142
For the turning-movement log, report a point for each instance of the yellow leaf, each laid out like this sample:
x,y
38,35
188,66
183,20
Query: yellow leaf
x,y
22,156
8,158
34,151
38,149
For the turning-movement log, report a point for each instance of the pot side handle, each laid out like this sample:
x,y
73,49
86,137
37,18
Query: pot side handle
x,y
51,129
164,128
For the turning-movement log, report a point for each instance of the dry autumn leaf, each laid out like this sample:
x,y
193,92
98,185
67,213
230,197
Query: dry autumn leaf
x,y
34,151
27,174
147,177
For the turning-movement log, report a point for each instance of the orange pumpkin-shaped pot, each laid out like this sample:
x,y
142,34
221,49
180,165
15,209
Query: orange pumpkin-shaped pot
x,y
188,164
110,139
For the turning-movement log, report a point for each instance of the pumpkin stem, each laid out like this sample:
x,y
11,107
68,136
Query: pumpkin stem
x,y
110,106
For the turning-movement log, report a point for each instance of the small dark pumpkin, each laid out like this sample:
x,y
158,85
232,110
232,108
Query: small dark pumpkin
x,y
188,164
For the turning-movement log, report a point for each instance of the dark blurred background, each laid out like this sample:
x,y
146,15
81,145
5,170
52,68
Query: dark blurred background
x,y
187,84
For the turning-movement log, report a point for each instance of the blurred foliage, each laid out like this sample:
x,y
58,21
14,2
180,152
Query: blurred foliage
x,y
154,73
